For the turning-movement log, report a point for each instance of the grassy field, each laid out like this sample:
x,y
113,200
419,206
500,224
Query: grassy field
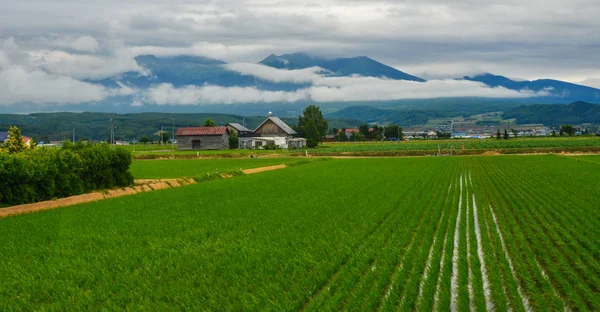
x,y
176,168
441,233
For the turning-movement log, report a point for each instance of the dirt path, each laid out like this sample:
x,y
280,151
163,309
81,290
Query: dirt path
x,y
262,169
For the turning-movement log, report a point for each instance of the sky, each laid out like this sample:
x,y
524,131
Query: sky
x,y
50,50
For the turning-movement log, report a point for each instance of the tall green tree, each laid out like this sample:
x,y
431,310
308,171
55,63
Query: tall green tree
x,y
364,130
209,123
312,126
567,129
144,140
15,142
393,131
234,140
164,137
498,135
505,134
341,136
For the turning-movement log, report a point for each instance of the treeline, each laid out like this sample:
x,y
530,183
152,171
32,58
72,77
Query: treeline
x,y
48,173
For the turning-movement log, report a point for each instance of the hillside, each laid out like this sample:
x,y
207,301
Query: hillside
x,y
574,113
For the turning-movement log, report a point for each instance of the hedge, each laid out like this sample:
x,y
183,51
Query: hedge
x,y
49,173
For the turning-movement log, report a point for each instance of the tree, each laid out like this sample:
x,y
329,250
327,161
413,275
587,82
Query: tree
x,y
553,132
498,135
15,142
357,136
209,123
505,134
341,136
514,132
144,140
233,140
364,130
312,125
393,131
165,137
567,129
334,131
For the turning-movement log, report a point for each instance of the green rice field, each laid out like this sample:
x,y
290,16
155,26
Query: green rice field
x,y
177,168
518,233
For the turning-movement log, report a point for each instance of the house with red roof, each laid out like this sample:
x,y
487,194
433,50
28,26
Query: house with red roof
x,y
203,138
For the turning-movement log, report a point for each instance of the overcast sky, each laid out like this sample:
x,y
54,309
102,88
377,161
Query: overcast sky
x,y
65,42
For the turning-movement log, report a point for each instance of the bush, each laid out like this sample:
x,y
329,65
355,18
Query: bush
x,y
48,173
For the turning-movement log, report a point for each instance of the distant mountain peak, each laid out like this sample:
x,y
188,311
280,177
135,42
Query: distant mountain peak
x,y
360,65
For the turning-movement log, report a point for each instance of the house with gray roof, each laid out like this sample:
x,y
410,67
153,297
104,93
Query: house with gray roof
x,y
3,136
275,131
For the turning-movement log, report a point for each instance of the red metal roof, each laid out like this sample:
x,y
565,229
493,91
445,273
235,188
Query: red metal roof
x,y
201,131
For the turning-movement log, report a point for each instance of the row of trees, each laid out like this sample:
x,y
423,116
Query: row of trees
x,y
564,130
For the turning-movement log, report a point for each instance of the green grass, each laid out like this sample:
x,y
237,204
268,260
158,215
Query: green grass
x,y
343,234
176,168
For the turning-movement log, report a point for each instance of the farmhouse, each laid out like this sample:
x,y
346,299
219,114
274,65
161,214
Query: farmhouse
x,y
203,138
272,131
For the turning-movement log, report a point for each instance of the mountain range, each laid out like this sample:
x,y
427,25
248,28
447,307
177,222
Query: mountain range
x,y
181,71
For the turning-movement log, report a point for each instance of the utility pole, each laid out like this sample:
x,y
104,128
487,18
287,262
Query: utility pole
x,y
173,135
161,134
73,135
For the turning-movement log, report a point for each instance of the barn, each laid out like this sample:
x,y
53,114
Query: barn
x,y
272,131
203,138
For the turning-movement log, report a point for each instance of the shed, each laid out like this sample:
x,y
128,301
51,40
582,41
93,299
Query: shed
x,y
203,138
238,129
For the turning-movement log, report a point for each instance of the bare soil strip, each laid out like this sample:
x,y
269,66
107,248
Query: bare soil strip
x,y
262,169
454,278
489,305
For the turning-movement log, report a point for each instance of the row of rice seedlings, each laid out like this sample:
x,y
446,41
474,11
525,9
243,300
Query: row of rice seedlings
x,y
353,277
441,296
413,284
454,284
571,226
578,255
363,257
427,284
496,267
543,237
416,253
476,278
464,294
377,286
507,215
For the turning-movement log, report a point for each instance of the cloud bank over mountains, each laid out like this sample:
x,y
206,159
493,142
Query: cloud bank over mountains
x,y
55,55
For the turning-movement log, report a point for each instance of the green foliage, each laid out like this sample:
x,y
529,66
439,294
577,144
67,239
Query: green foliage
x,y
15,142
164,137
47,173
567,129
341,136
393,131
209,123
498,135
144,140
270,146
233,140
505,134
312,126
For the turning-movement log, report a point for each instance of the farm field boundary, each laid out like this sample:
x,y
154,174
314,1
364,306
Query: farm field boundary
x,y
141,185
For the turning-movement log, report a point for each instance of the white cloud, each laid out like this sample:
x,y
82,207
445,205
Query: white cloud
x,y
591,82
80,66
306,75
18,85
208,94
81,44
332,89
